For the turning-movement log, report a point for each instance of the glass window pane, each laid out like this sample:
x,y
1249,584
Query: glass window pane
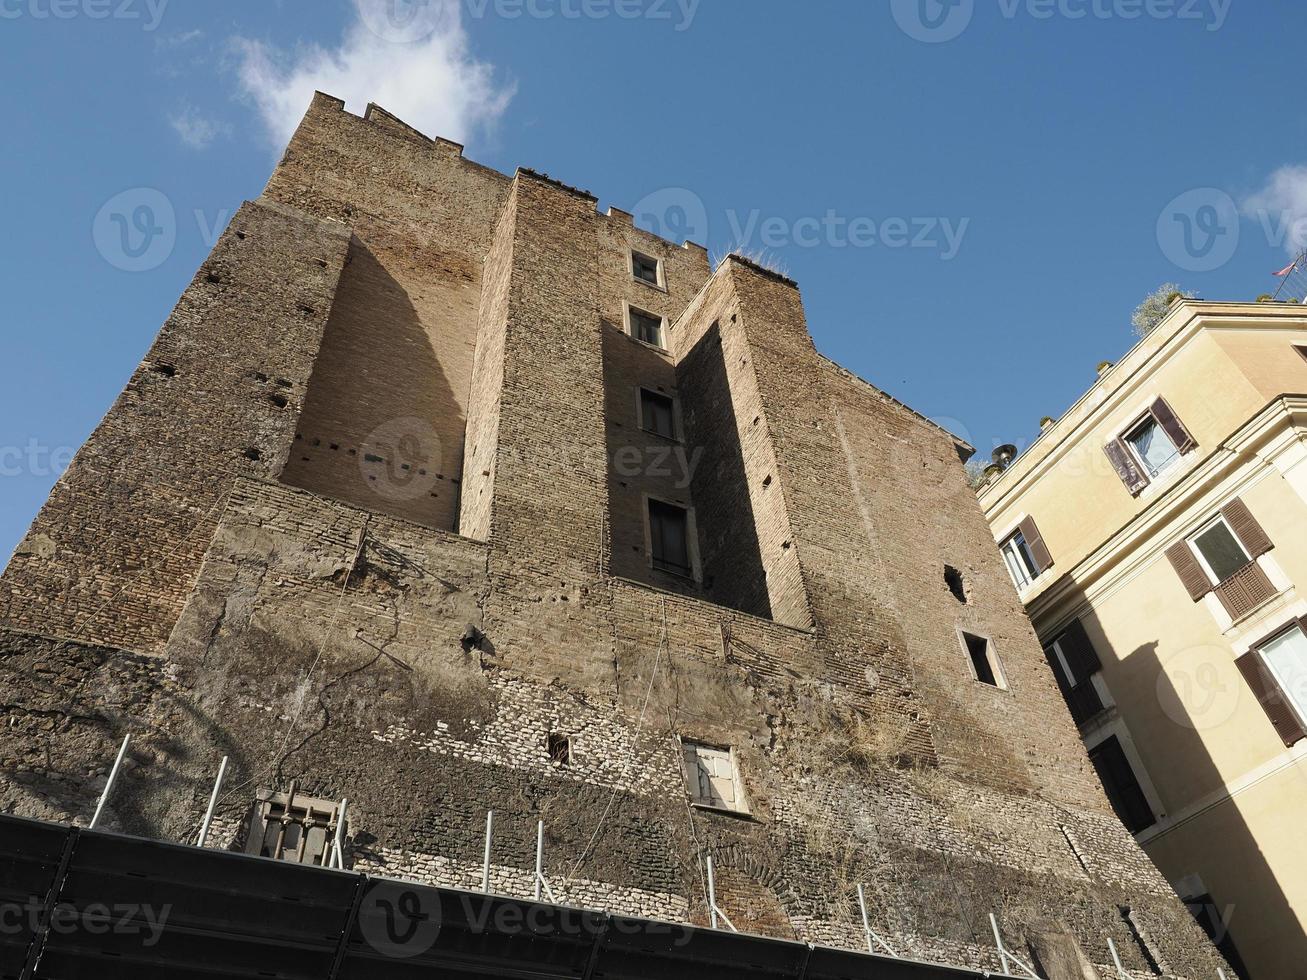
x,y
1154,447
657,413
647,328
667,534
1286,656
1222,550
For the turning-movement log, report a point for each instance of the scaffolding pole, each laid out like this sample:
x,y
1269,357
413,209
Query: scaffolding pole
x,y
485,864
715,912
108,786
541,881
338,845
1116,958
213,803
872,938
1007,957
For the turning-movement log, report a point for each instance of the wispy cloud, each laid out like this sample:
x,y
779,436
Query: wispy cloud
x,y
168,42
1281,207
196,130
417,66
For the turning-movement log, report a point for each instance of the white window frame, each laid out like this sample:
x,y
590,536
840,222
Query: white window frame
x,y
1260,652
1028,575
696,799
1144,467
659,265
1192,541
691,534
991,654
627,309
677,435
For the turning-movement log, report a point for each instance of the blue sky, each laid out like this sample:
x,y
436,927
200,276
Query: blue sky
x,y
973,196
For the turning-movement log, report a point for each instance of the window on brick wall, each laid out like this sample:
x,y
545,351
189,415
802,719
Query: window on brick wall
x,y
712,777
983,658
646,327
1122,785
292,827
657,413
669,538
646,269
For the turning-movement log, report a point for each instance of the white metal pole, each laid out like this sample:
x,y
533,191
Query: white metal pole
x,y
213,803
485,864
338,846
872,938
998,941
1116,958
108,787
712,894
540,856
1221,973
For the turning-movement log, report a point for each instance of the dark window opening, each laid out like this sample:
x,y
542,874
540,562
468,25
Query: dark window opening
x,y
953,578
656,414
644,268
982,663
1122,788
669,537
646,327
560,748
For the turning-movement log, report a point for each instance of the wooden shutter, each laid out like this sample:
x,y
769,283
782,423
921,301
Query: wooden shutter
x,y
1079,651
1172,426
1124,464
1035,542
1191,573
1246,528
1271,698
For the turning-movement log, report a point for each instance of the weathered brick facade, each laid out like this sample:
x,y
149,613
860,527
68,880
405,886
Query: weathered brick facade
x,y
400,399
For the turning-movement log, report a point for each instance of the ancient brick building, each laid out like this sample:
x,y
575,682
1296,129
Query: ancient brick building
x,y
442,491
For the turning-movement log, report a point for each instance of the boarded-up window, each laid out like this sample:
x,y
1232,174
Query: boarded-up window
x,y
292,827
712,777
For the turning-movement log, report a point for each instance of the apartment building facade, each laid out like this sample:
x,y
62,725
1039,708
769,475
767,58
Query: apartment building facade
x,y
1157,534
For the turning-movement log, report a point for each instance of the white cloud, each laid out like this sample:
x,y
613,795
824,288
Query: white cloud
x,y
168,42
1281,208
197,131
409,56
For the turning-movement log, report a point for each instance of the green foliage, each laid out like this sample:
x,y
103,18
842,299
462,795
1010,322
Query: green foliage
x,y
1155,306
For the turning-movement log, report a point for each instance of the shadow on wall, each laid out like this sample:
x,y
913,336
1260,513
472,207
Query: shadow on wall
x,y
728,534
382,427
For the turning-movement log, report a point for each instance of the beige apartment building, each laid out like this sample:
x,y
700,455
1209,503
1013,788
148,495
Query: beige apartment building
x,y
1157,534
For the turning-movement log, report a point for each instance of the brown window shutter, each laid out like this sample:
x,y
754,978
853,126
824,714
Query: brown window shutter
x,y
1172,426
1246,528
1035,542
1131,475
1191,573
1283,717
1079,651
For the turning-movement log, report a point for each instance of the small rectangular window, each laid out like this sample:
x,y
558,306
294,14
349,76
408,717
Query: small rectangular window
x,y
646,327
657,414
290,827
984,662
1020,562
669,537
1121,785
712,776
1152,447
1219,551
646,269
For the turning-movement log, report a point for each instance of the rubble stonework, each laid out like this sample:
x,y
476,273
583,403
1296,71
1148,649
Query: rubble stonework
x,y
398,401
